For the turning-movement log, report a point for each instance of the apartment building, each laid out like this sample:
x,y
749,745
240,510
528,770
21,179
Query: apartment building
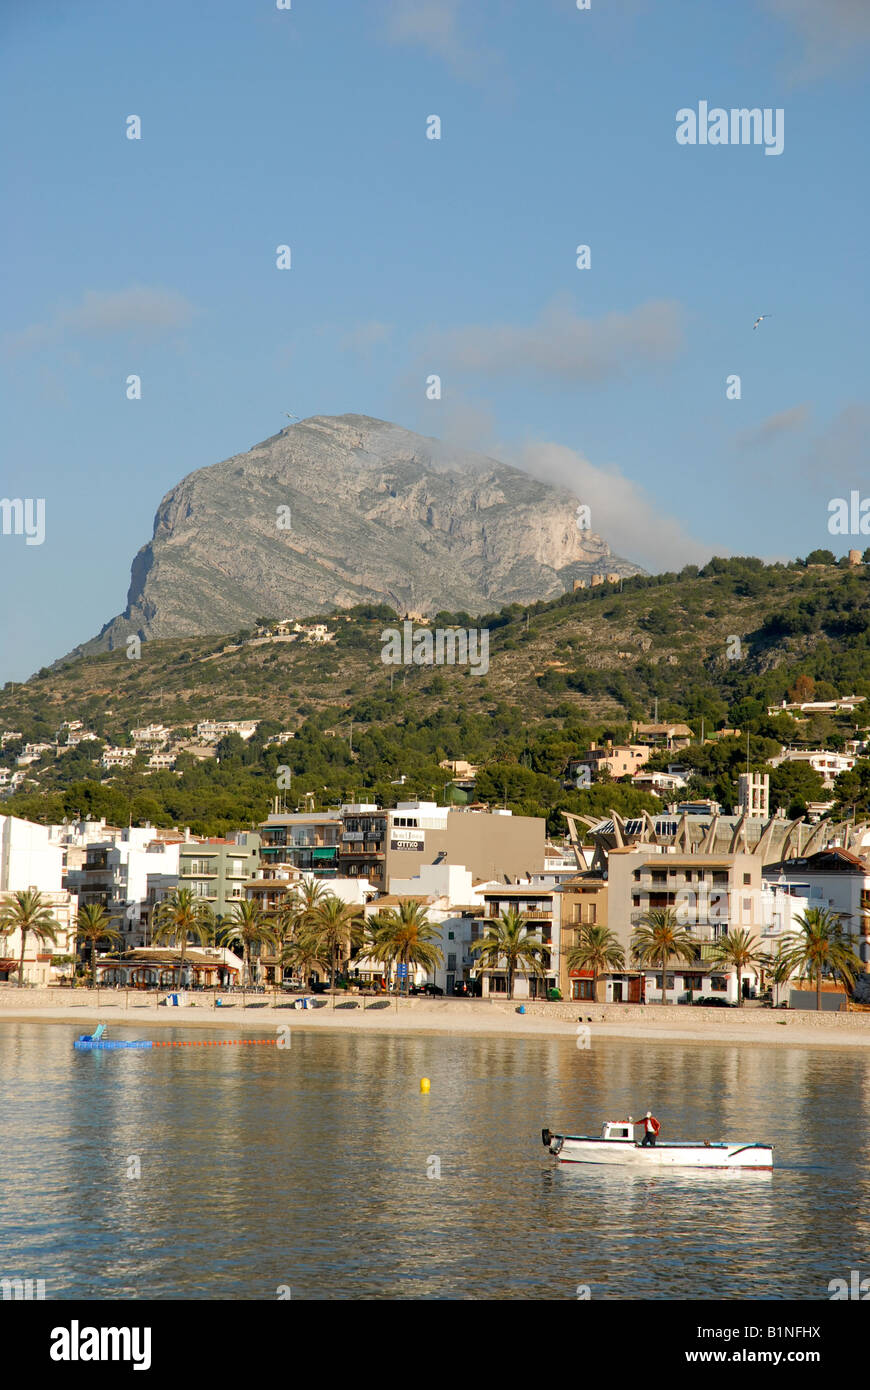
x,y
836,880
125,871
541,907
307,841
708,893
30,860
217,870
382,844
362,840
584,904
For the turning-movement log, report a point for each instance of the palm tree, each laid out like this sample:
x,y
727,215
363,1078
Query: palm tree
x,y
26,912
294,914
248,925
597,949
658,938
304,954
820,945
406,937
739,950
94,924
179,917
509,940
338,927
778,967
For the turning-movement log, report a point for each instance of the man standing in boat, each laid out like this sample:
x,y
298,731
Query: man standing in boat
x,y
651,1130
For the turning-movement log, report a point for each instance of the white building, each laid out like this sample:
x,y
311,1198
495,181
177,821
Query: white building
x,y
213,730
30,860
150,735
116,757
824,761
836,880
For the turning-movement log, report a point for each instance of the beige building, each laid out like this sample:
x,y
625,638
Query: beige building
x,y
621,761
709,894
583,903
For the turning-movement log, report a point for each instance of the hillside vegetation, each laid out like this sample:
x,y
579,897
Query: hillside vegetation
x,y
714,647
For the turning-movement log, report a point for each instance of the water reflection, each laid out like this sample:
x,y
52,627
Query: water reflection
x,y
309,1167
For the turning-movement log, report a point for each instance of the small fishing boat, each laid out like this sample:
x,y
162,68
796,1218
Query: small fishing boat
x,y
617,1144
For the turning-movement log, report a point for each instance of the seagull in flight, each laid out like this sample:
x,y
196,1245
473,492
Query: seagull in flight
x,y
760,319
291,417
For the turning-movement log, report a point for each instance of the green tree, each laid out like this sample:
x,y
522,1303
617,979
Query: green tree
x,y
405,937
248,925
597,949
508,945
338,927
27,912
304,953
94,924
739,950
179,917
658,938
820,946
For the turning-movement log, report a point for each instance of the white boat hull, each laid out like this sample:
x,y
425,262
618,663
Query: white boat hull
x,y
576,1148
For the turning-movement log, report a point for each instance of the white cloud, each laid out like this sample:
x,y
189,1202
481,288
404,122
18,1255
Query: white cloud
x,y
365,336
435,25
629,520
137,312
563,344
839,453
774,426
831,32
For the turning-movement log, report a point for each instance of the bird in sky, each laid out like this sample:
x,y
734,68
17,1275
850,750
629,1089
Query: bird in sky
x,y
292,417
760,319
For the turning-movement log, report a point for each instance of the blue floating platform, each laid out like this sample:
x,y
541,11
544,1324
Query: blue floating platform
x,y
96,1042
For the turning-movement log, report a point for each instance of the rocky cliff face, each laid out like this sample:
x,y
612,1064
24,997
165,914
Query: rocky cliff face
x,y
340,510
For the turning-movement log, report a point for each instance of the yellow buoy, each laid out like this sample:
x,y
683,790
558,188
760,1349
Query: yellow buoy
x,y
424,1085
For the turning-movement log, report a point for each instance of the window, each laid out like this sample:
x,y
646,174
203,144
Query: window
x,y
450,936
747,878
451,960
581,989
718,983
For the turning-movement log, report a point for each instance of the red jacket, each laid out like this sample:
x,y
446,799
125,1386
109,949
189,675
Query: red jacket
x,y
650,1124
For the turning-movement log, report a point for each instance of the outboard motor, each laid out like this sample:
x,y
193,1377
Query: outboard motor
x,y
546,1136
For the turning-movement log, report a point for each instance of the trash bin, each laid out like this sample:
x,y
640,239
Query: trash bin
x,y
521,1009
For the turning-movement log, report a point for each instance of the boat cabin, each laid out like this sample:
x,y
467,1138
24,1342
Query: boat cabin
x,y
621,1129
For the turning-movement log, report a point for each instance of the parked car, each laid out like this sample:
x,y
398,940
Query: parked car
x,y
711,1002
431,990
462,989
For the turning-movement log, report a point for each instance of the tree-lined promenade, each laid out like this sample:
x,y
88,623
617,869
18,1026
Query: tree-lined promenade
x,y
312,930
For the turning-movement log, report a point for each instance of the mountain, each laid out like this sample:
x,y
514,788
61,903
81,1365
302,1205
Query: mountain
x,y
376,514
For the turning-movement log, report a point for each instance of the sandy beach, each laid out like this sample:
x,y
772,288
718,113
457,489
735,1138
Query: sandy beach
x,y
264,1014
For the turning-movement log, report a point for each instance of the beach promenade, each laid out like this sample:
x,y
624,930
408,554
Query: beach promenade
x,y
464,1017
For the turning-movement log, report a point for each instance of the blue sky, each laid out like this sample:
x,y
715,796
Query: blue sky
x,y
307,127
